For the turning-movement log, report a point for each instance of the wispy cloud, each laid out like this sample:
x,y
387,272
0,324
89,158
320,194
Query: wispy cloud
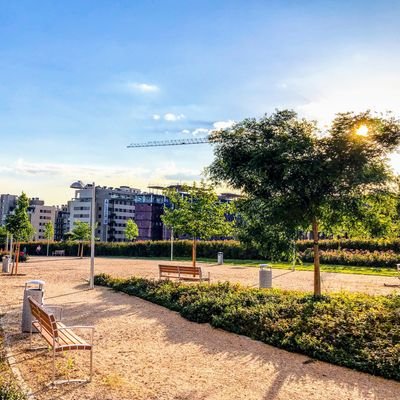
x,y
142,87
171,117
156,117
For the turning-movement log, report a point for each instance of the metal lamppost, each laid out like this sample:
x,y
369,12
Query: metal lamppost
x,y
79,185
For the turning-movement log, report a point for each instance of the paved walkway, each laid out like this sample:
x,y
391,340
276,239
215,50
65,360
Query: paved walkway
x,y
144,351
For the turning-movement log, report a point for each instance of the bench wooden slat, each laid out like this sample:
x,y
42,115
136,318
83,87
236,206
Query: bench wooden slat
x,y
182,272
59,336
49,328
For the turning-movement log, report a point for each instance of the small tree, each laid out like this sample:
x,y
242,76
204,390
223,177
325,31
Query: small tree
x,y
18,225
81,232
197,212
48,234
131,230
296,177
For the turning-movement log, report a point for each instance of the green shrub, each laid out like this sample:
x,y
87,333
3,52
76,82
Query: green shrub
x,y
9,391
353,330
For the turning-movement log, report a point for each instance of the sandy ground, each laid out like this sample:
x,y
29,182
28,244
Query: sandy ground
x,y
144,351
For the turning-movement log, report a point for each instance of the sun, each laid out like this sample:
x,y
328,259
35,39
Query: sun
x,y
362,130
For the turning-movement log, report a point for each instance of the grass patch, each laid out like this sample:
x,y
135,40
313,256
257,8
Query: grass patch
x,y
358,331
8,388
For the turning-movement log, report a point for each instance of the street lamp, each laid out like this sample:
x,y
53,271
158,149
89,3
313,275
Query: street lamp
x,y
79,185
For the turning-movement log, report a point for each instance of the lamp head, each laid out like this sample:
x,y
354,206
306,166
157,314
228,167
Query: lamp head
x,y
77,185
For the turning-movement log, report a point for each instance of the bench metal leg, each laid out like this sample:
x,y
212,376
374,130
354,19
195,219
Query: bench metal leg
x,y
54,367
91,364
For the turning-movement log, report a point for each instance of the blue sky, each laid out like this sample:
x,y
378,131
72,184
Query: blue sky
x,y
80,80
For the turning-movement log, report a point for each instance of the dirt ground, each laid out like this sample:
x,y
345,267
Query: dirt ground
x,y
144,351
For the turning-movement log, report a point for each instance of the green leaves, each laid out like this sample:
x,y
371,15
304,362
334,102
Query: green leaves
x,y
81,231
49,231
198,213
131,230
18,223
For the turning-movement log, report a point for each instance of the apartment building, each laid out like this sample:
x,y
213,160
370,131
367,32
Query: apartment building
x,y
40,215
8,202
113,207
61,225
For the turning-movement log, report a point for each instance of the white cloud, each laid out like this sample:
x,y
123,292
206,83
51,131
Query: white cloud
x,y
200,131
185,131
26,168
223,124
171,117
142,87
156,117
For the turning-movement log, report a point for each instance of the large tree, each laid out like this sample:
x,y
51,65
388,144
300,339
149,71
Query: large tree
x,y
294,176
197,212
18,225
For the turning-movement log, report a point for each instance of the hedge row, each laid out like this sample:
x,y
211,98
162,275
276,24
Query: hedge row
x,y
376,259
332,251
182,248
353,244
353,330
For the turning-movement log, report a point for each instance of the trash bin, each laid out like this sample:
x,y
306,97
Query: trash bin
x,y
220,258
35,290
6,264
265,276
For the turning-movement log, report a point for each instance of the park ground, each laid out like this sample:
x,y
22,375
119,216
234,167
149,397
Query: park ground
x,y
144,351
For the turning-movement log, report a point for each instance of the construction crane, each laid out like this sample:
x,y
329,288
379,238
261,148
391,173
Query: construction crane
x,y
173,142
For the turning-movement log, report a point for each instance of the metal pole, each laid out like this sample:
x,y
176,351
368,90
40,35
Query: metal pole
x,y
11,250
172,244
91,280
7,242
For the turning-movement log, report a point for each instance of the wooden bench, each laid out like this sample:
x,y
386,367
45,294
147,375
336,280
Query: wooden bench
x,y
59,253
59,336
182,273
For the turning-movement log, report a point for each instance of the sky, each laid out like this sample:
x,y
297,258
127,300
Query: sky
x,y
81,80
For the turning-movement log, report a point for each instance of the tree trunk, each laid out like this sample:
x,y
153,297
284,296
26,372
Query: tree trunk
x,y
317,273
194,252
48,244
79,249
82,250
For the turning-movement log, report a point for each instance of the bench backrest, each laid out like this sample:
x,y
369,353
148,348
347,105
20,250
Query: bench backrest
x,y
46,320
186,270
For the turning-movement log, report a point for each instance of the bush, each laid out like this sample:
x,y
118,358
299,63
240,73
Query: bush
x,y
353,330
9,391
377,259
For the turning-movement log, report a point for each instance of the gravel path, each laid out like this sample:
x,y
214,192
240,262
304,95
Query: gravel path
x,y
144,351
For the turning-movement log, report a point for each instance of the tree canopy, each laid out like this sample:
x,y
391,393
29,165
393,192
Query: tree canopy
x,y
296,177
131,230
81,231
197,212
49,231
18,223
